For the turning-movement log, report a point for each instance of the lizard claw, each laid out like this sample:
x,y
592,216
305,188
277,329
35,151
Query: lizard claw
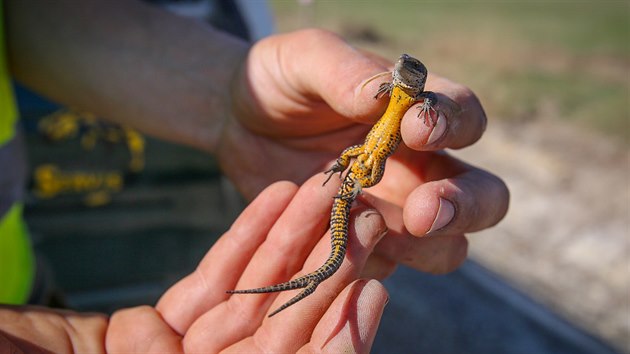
x,y
351,195
427,107
330,172
384,89
425,112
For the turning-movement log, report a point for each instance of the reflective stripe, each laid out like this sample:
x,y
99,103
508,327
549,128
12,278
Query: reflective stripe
x,y
8,110
17,264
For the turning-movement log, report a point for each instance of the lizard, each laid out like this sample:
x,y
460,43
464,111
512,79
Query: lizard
x,y
368,166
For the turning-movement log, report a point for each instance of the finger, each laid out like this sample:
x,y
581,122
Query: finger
x,y
223,264
281,255
292,328
311,73
430,255
351,321
378,267
459,119
435,255
468,202
332,69
457,199
438,190
141,330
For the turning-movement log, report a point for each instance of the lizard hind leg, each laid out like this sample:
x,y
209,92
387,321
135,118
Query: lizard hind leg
x,y
331,171
343,161
350,189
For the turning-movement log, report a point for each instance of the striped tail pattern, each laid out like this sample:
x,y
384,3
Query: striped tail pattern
x,y
339,218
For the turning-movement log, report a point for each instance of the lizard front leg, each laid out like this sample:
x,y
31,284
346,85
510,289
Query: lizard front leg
x,y
428,106
384,88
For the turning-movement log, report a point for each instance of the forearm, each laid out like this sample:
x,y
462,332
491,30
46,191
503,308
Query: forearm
x,y
128,62
30,329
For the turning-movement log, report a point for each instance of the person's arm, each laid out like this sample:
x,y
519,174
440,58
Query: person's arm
x,y
129,62
197,315
34,329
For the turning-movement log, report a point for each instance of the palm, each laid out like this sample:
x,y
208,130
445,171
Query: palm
x,y
196,314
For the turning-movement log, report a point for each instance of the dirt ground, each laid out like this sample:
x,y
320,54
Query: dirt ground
x,y
565,240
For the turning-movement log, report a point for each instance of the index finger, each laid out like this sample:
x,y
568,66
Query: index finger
x,y
195,294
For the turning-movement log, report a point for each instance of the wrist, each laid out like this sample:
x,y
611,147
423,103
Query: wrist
x,y
226,73
34,329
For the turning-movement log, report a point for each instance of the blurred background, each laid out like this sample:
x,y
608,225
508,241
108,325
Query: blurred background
x,y
553,277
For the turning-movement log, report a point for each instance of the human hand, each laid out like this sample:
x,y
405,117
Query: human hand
x,y
301,98
279,232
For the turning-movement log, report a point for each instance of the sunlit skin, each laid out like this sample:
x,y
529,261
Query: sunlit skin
x,y
366,170
281,109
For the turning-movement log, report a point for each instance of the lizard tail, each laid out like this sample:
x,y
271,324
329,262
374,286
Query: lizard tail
x,y
308,290
310,281
297,283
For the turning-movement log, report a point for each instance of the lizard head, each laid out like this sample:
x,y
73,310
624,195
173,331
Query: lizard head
x,y
410,74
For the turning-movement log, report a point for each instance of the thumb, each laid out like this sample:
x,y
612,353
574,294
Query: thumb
x,y
320,63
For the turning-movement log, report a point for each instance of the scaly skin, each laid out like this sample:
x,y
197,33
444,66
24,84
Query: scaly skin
x,y
407,87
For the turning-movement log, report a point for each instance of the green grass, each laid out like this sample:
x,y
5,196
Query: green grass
x,y
565,60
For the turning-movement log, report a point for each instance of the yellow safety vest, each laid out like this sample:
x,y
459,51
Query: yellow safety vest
x,y
16,255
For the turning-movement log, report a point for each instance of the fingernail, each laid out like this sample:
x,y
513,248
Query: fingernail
x,y
446,212
438,129
370,227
